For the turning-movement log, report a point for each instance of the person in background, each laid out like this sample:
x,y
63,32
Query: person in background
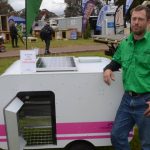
x,y
13,34
2,47
133,56
46,35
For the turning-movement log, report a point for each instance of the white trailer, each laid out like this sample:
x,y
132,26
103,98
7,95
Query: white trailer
x,y
64,104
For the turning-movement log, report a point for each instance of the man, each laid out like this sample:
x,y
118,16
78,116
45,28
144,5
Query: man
x,y
2,47
46,35
13,34
133,56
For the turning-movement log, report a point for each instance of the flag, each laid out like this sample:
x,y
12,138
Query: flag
x,y
128,4
83,5
88,9
119,20
32,9
101,17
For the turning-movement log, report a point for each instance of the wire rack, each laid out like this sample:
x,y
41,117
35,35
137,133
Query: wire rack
x,y
38,135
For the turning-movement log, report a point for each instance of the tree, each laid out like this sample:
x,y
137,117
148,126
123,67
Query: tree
x,y
47,13
73,8
2,1
98,6
5,8
87,33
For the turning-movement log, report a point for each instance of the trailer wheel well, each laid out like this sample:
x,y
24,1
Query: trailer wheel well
x,y
80,145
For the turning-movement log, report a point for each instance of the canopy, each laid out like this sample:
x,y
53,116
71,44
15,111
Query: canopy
x,y
16,19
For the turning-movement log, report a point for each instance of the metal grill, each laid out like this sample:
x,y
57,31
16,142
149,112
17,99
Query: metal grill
x,y
36,118
38,135
56,64
36,130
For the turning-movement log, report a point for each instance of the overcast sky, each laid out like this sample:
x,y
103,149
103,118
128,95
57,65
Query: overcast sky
x,y
55,6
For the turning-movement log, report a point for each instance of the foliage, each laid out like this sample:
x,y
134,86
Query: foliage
x,y
48,14
135,143
98,6
5,8
87,32
73,8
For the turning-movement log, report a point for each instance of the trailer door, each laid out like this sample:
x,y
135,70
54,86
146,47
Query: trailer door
x,y
15,142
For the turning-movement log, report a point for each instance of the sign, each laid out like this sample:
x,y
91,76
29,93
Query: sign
x,y
87,11
73,35
28,61
110,24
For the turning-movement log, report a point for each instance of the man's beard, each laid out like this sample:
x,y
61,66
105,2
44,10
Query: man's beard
x,y
140,32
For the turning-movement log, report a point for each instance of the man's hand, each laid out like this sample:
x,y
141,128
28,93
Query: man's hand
x,y
147,112
108,76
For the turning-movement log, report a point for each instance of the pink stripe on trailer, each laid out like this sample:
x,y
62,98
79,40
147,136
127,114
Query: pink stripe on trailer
x,y
84,127
2,130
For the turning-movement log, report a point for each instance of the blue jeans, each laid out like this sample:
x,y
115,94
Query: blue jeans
x,y
131,112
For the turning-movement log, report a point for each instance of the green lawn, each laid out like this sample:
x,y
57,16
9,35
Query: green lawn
x,y
6,62
54,44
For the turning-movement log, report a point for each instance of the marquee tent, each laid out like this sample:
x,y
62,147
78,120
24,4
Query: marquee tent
x,y
16,19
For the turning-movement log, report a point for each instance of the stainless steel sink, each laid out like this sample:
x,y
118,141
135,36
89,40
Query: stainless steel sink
x,y
55,64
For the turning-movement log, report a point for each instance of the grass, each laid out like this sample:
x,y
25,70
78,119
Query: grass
x,y
54,44
6,62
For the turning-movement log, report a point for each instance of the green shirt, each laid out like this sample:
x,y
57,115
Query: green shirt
x,y
134,59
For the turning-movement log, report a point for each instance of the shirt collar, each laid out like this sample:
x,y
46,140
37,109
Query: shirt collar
x,y
146,35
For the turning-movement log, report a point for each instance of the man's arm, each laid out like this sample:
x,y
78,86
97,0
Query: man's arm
x,y
108,71
113,66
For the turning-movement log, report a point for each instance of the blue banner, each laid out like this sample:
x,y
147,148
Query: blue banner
x,y
101,17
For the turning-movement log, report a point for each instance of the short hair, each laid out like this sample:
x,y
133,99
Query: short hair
x,y
140,8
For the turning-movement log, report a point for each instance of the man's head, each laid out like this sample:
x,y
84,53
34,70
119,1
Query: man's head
x,y
140,17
